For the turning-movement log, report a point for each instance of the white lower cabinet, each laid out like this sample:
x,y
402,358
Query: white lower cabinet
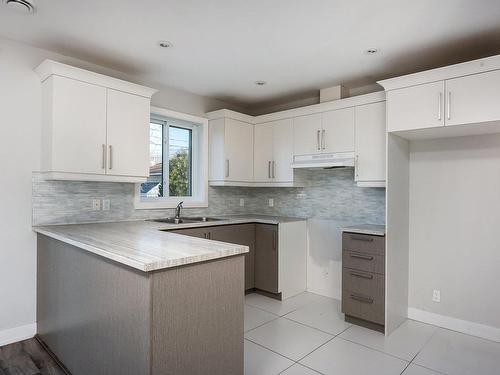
x,y
370,163
94,128
273,152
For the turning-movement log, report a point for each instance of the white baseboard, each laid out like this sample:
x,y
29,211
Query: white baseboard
x,y
16,334
454,324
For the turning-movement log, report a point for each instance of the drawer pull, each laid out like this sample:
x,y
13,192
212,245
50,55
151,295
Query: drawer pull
x,y
362,238
362,299
360,256
362,275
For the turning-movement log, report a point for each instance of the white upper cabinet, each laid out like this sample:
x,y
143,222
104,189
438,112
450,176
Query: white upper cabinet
x,y
273,152
231,151
416,107
263,152
94,127
370,145
283,151
307,134
127,134
73,127
337,134
473,99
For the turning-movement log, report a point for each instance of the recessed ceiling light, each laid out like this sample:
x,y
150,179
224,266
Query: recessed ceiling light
x,y
260,83
371,51
165,44
21,6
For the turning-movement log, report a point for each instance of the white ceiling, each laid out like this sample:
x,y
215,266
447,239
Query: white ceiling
x,y
298,46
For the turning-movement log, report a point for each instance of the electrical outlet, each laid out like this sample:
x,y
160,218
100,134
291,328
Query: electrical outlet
x,y
242,202
271,202
436,296
106,204
96,204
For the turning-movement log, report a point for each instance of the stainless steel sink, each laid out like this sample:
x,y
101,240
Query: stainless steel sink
x,y
186,220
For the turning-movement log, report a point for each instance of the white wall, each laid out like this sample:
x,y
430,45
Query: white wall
x,y
455,227
20,97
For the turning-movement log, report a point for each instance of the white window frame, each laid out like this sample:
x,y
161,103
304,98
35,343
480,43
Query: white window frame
x,y
199,165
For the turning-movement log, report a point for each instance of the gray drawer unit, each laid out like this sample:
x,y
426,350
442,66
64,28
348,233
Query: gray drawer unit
x,y
363,279
363,243
363,261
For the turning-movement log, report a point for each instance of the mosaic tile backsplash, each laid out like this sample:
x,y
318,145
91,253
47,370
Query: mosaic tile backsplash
x,y
331,195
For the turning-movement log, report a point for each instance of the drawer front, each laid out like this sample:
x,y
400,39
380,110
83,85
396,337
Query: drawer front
x,y
363,295
363,243
363,261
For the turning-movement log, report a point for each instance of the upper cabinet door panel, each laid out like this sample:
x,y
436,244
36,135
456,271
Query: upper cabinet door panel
x,y
263,152
416,107
128,134
338,130
473,99
307,134
370,142
238,143
283,150
78,130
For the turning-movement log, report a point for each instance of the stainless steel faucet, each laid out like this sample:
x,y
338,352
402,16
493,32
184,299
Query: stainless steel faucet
x,y
178,210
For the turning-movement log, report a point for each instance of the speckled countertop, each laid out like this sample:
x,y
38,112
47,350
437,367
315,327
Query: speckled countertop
x,y
372,229
146,246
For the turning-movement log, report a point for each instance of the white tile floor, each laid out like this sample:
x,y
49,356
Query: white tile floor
x,y
307,335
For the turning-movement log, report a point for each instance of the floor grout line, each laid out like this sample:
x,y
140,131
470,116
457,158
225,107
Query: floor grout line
x,y
275,352
376,350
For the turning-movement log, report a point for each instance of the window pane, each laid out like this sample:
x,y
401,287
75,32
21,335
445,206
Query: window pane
x,y
153,188
179,160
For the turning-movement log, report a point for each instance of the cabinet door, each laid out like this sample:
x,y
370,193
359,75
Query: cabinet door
x,y
283,150
78,126
128,134
338,130
266,257
238,144
263,152
473,99
192,232
370,142
307,134
416,107
241,234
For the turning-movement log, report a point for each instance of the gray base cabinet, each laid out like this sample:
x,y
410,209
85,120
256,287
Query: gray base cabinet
x,y
100,317
266,257
261,263
363,279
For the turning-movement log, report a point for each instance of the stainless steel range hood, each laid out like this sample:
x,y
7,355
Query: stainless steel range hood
x,y
322,161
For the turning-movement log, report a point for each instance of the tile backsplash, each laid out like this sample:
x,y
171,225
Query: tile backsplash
x,y
331,195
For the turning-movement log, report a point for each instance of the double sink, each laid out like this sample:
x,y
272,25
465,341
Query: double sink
x,y
186,220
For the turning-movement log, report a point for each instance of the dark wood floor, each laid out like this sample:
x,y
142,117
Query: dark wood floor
x,y
27,358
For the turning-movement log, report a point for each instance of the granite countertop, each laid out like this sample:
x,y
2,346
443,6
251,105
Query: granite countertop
x,y
372,229
147,245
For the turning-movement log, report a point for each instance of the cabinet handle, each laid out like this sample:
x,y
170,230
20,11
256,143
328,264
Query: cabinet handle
x,y
318,135
110,157
205,235
449,105
274,169
440,109
323,142
360,256
362,238
209,235
269,169
275,240
227,167
356,165
362,299
103,156
362,275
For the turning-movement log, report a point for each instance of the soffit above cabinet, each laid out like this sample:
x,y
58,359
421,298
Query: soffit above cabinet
x,y
444,73
49,67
